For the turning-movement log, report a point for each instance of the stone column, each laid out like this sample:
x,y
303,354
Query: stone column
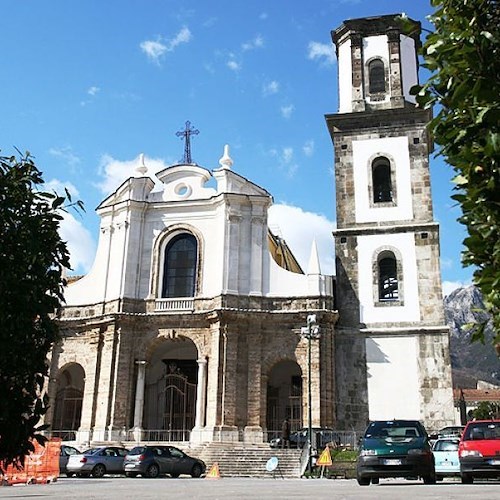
x,y
253,431
201,392
358,90
395,80
139,399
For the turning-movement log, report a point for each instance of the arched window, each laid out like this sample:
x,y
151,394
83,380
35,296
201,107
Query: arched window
x,y
382,182
376,77
388,286
179,271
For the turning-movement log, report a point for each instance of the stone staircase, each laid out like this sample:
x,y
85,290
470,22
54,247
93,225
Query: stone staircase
x,y
247,460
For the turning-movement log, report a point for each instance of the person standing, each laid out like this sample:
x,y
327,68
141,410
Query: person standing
x,y
285,434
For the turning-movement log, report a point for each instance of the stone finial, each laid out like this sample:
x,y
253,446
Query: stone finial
x,y
141,169
314,266
226,161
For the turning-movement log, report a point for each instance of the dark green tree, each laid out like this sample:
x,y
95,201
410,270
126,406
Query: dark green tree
x,y
463,56
486,410
32,259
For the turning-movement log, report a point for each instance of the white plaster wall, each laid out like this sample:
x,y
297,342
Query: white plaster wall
x,y
202,221
345,77
367,247
364,152
408,66
376,46
393,382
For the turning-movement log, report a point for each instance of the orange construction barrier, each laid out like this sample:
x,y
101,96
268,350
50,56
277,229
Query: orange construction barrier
x,y
40,466
214,472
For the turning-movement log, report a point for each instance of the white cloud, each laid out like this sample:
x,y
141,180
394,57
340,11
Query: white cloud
x,y
81,245
155,49
285,159
256,43
321,51
93,90
286,111
233,65
114,172
299,228
449,286
66,154
270,88
287,154
57,186
308,148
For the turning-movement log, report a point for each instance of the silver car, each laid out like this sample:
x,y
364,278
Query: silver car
x,y
97,462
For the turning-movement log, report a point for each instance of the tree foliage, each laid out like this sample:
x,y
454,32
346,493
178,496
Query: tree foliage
x,y
463,56
32,258
486,410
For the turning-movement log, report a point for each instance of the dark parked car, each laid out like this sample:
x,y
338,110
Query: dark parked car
x,y
64,455
321,436
97,461
479,450
151,461
395,448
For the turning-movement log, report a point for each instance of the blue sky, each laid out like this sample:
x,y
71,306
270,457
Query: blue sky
x,y
89,85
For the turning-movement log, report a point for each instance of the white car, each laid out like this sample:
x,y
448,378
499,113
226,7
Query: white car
x,y
445,451
97,462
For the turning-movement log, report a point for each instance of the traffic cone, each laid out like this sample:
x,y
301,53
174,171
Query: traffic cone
x,y
214,472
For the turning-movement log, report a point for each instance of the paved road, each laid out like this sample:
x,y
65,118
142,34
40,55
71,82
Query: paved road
x,y
242,488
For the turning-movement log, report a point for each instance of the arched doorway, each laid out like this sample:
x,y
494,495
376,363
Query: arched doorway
x,y
284,397
68,403
170,395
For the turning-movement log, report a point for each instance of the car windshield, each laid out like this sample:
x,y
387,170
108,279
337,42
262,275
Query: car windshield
x,y
482,430
446,445
393,430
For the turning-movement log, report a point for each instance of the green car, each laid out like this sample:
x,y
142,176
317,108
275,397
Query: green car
x,y
395,448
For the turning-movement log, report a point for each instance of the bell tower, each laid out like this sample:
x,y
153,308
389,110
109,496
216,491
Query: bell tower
x,y
392,343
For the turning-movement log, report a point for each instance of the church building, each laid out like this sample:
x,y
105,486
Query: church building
x,y
197,324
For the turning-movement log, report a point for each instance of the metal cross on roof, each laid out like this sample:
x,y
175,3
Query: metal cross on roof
x,y
186,135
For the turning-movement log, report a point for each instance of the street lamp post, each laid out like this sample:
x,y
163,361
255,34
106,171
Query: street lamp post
x,y
311,331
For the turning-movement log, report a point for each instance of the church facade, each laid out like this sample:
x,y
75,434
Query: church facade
x,y
195,322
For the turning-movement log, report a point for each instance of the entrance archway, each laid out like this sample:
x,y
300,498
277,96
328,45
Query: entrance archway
x,y
284,397
68,403
170,395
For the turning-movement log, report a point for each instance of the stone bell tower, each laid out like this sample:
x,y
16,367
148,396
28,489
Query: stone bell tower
x,y
392,356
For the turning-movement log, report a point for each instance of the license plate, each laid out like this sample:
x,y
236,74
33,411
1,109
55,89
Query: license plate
x,y
129,466
494,462
392,461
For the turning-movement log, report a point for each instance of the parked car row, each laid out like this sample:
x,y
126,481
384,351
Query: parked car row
x,y
147,461
402,448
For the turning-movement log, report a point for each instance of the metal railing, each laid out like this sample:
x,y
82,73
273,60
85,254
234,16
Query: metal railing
x,y
65,435
159,435
334,438
174,305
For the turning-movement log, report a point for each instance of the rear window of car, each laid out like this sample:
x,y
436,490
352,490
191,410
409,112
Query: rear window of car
x,y
482,430
393,430
138,450
446,445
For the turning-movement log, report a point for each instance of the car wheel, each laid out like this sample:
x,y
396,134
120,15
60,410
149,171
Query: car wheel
x,y
363,481
196,471
375,480
430,479
467,479
98,471
130,474
152,471
174,474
